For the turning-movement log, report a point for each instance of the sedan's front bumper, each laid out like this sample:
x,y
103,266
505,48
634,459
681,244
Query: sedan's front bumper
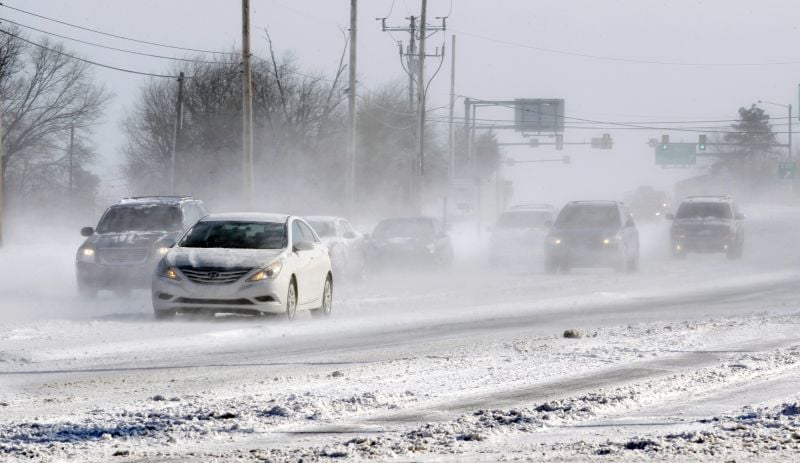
x,y
584,256
266,296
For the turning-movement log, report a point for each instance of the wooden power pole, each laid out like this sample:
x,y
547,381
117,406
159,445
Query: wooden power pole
x,y
247,107
350,186
178,132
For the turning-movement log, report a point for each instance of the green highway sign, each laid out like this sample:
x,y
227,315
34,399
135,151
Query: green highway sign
x,y
676,154
787,170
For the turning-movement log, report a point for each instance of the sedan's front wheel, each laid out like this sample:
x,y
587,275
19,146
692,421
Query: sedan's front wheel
x,y
291,301
327,300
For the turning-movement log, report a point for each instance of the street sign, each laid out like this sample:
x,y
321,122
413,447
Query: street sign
x,y
538,115
676,154
787,170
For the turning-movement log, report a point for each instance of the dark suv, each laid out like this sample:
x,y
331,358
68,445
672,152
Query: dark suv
x,y
707,224
132,235
593,234
410,240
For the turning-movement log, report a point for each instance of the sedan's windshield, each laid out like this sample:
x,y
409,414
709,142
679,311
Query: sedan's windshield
x,y
704,210
324,228
588,216
137,218
524,219
404,228
237,235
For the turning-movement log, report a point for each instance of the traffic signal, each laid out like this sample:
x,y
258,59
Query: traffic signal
x,y
606,142
701,145
559,141
664,142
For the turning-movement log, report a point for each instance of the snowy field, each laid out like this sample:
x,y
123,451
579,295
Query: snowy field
x,y
697,359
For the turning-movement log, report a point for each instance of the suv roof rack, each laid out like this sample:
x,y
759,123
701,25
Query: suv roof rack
x,y
160,197
717,197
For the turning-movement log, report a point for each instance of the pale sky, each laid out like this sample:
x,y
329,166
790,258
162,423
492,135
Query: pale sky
x,y
626,60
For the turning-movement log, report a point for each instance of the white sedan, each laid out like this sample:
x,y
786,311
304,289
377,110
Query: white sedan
x,y
245,263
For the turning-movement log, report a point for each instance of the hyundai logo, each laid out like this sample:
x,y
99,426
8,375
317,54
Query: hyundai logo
x,y
212,275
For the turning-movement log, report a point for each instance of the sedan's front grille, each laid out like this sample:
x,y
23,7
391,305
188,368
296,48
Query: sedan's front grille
x,y
214,276
190,300
123,256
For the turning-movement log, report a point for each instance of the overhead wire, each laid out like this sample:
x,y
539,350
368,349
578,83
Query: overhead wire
x,y
121,37
133,52
87,61
621,59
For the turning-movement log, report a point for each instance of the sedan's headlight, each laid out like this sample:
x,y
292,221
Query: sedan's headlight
x,y
86,255
554,240
171,274
162,250
612,240
269,272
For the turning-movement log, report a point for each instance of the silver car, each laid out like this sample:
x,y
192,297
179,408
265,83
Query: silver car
x,y
245,263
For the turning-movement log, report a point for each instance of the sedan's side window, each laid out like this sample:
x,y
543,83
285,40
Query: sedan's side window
x,y
308,234
297,233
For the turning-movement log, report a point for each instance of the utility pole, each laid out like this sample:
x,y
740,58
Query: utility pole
x,y
247,108
71,193
452,137
413,61
351,154
420,160
178,132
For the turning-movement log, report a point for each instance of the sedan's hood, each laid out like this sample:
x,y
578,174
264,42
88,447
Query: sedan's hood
x,y
130,239
519,234
222,258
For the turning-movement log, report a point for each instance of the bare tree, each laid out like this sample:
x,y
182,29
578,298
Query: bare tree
x,y
45,93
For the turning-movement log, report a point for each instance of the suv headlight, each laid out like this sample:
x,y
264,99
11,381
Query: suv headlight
x,y
86,254
267,273
554,240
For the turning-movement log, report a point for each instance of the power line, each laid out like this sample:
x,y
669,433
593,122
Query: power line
x,y
94,63
621,59
175,47
189,60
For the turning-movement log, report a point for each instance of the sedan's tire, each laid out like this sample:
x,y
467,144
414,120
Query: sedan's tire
x,y
164,315
327,300
291,300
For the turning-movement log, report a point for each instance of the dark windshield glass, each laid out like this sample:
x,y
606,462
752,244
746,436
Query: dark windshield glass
x,y
588,216
236,235
404,228
121,219
524,219
704,210
323,228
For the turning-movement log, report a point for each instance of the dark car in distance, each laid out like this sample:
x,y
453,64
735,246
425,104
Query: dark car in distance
x,y
130,238
707,224
593,234
410,240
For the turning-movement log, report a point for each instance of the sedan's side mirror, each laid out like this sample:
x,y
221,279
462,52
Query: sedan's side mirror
x,y
629,223
739,216
87,231
303,246
349,235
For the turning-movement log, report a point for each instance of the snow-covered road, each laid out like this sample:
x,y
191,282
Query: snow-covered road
x,y
687,359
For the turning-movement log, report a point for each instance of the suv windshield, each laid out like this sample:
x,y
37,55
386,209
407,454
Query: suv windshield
x,y
323,228
588,216
404,228
140,217
704,210
523,219
237,235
